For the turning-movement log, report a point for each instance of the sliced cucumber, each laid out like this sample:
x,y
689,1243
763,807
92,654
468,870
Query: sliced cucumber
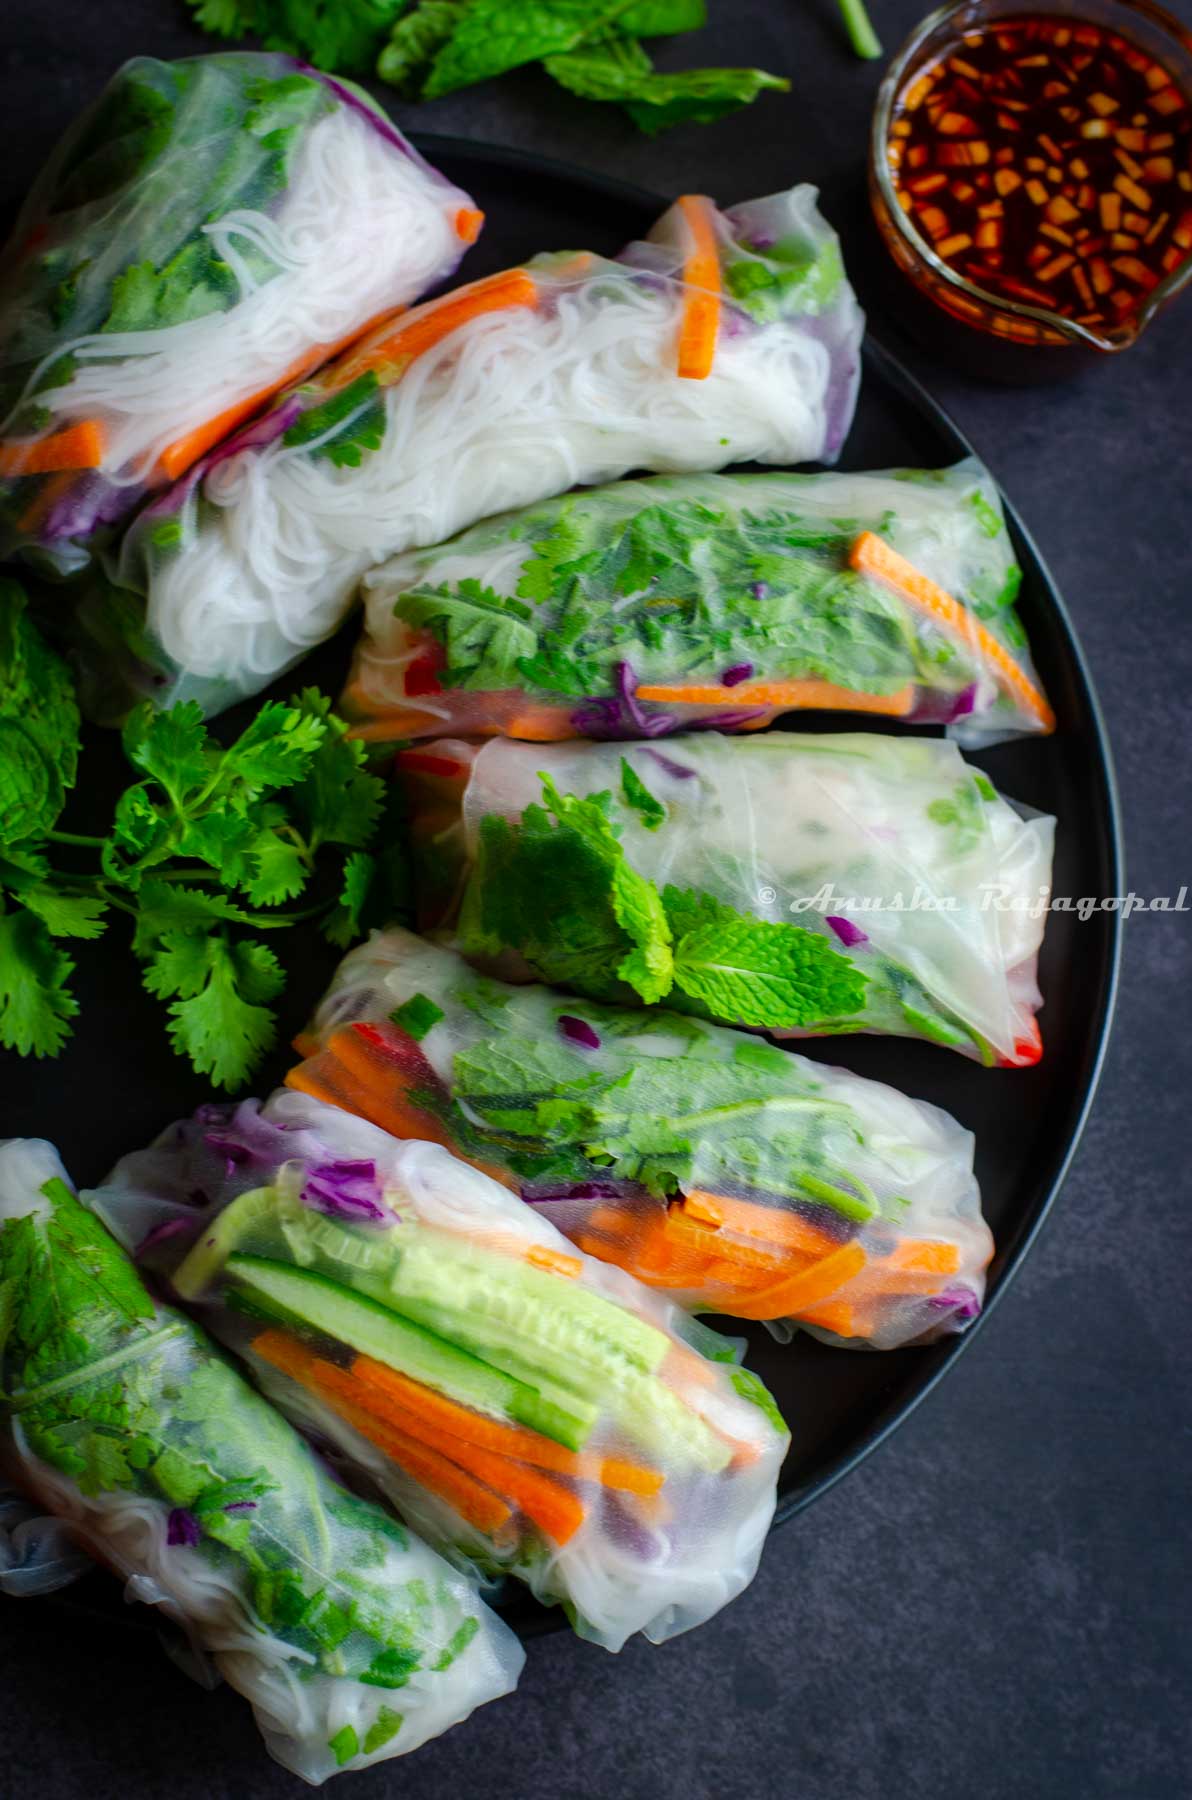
x,y
311,1299
226,1233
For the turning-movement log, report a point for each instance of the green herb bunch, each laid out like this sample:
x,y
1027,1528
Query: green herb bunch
x,y
593,48
205,849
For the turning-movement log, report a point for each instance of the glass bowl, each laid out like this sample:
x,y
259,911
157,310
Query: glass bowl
x,y
990,333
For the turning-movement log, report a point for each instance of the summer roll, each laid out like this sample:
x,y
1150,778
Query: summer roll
x,y
726,336
707,600
736,1177
208,231
351,1639
801,884
530,1410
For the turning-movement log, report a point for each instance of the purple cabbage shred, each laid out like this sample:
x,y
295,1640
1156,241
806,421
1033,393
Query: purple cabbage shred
x,y
346,1189
182,1529
846,931
578,1031
676,770
161,1234
737,673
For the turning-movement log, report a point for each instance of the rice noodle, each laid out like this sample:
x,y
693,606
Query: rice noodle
x,y
361,225
142,1482
249,567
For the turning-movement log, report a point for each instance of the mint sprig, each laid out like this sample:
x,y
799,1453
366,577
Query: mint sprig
x,y
593,48
202,852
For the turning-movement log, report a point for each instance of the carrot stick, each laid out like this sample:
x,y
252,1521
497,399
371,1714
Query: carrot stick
x,y
777,1224
553,1508
45,497
388,354
177,457
470,1498
872,556
834,1315
788,695
541,725
436,1411
325,1078
701,299
468,223
807,1287
751,1262
78,446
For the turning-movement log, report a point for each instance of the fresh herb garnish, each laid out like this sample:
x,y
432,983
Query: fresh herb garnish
x,y
609,929
202,850
426,48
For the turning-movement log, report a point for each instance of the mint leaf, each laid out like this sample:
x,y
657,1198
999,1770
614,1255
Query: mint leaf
x,y
493,37
415,41
760,972
35,1002
39,724
637,905
637,795
612,68
417,1016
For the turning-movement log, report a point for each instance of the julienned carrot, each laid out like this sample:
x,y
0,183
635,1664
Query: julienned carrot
x,y
553,1508
78,446
177,457
470,1498
468,223
837,1316
702,287
777,1224
516,1441
45,498
788,696
325,1078
755,1263
872,556
388,354
541,725
807,1287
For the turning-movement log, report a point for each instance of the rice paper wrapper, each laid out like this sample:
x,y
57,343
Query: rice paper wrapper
x,y
729,1174
698,601
799,884
512,389
208,231
531,1410
351,1639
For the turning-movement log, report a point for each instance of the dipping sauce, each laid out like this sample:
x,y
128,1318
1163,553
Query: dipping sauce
x,y
1048,160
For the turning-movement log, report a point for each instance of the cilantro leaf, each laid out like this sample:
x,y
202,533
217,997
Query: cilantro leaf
x,y
637,795
280,869
171,747
343,924
35,1002
66,915
221,1020
337,801
758,972
275,750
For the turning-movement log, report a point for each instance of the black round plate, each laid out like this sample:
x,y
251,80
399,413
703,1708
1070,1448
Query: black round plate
x,y
117,1084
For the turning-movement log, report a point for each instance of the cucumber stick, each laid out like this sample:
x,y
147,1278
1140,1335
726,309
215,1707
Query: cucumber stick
x,y
302,1296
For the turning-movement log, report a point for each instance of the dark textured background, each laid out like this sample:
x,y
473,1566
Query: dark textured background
x,y
997,1602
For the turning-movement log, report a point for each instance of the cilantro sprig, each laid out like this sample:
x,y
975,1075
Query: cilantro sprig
x,y
593,48
204,853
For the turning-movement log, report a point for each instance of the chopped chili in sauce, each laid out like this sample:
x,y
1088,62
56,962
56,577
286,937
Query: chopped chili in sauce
x,y
1049,161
